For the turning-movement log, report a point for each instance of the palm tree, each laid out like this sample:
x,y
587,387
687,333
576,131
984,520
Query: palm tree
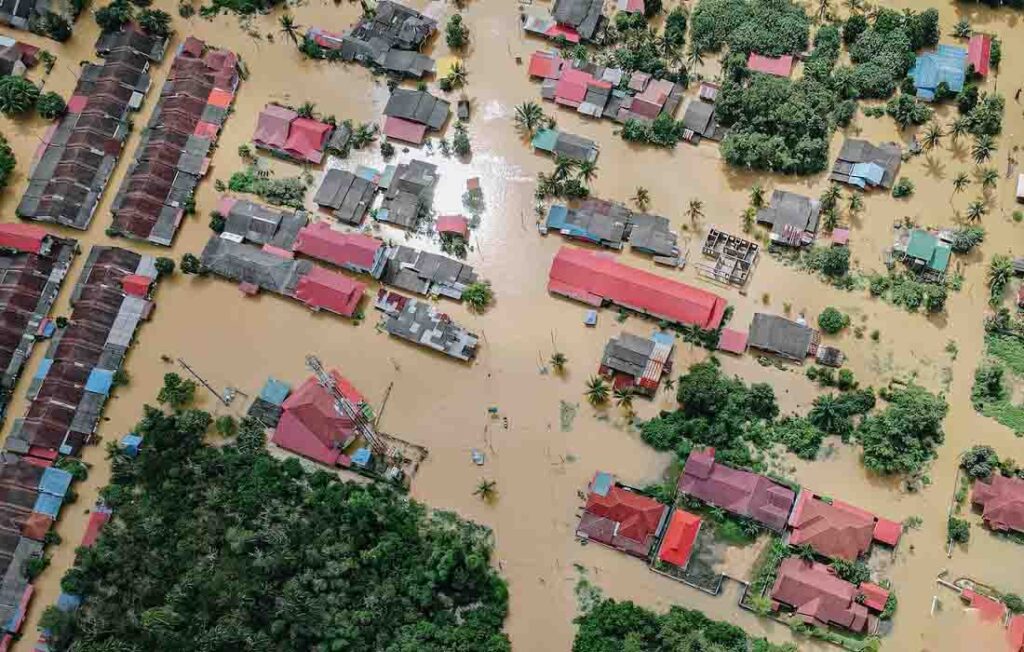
x,y
932,136
669,384
307,110
624,399
962,29
756,196
960,182
830,196
976,210
586,171
855,203
597,391
563,166
289,28
805,552
558,361
989,178
855,6
959,127
642,198
695,210
486,490
457,75
984,147
824,6
529,116
17,95
828,415
694,58
1000,271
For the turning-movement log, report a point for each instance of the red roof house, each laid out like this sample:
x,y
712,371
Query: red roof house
x,y
681,534
1015,633
989,609
97,520
307,139
830,529
272,126
23,237
594,278
740,492
732,341
819,597
404,130
453,224
321,289
620,518
136,285
311,425
546,65
352,251
778,66
1002,502
572,87
875,596
979,53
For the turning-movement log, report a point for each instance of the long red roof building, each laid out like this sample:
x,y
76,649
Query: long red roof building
x,y
595,278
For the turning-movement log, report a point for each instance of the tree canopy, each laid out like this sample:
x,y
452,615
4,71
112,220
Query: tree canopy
x,y
227,548
903,436
768,27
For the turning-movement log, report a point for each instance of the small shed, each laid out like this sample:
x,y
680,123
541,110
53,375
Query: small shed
x,y
130,444
275,391
453,225
732,341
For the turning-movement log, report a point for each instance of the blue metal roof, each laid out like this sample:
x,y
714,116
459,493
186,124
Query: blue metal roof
x,y
275,391
55,481
48,504
557,216
602,483
44,368
869,172
361,457
946,64
99,381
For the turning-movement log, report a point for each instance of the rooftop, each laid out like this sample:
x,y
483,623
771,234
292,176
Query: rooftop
x,y
793,218
819,597
618,517
312,426
1001,500
781,336
681,534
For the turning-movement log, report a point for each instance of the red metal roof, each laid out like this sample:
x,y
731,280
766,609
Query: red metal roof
x,y
875,596
36,526
557,30
594,277
979,53
311,426
677,544
572,86
828,528
457,224
888,532
547,65
331,291
732,341
136,285
23,237
622,519
778,66
818,595
272,126
1015,633
1002,502
97,520
404,130
307,139
989,609
320,241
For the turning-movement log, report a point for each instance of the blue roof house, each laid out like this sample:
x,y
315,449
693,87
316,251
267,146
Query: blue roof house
x,y
946,64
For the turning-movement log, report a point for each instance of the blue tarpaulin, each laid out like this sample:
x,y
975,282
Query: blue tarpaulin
x,y
48,504
99,381
361,457
661,337
602,483
44,368
55,482
131,443
275,391
67,602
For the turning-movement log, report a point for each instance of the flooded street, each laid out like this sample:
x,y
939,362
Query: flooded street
x,y
236,341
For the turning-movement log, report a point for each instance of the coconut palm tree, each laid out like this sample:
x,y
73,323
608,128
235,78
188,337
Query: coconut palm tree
x,y
17,95
624,399
855,202
962,29
983,148
563,166
855,6
960,182
830,197
1000,271
642,198
289,28
307,110
756,195
824,6
528,117
828,415
597,391
932,136
558,361
976,210
959,127
457,75
486,490
586,171
695,211
988,178
669,384
694,58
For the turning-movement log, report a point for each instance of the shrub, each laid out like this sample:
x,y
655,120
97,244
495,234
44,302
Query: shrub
x,y
155,21
51,105
114,16
7,162
456,33
957,530
832,321
164,265
979,462
478,296
18,96
904,187
967,238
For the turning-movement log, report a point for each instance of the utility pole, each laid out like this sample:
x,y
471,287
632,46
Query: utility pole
x,y
203,381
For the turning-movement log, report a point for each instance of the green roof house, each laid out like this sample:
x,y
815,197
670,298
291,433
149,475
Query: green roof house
x,y
924,250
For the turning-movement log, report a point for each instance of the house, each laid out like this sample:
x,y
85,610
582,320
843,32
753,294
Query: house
x,y
596,220
132,37
946,66
16,57
783,337
837,530
387,39
177,143
409,114
259,224
732,341
680,537
741,492
923,251
355,252
281,131
777,66
979,53
699,122
594,278
583,16
312,426
425,273
348,196
546,64
862,164
453,225
708,91
321,289
990,610
792,218
560,143
542,24
420,323
255,268
620,518
652,234
637,363
1001,501
408,191
819,597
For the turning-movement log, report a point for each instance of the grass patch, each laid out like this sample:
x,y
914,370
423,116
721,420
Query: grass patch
x,y
1008,414
990,394
1007,349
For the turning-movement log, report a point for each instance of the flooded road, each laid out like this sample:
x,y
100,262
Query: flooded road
x,y
235,341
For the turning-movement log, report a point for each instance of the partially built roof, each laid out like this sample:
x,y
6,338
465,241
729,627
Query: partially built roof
x,y
584,16
594,278
781,336
348,195
793,218
418,106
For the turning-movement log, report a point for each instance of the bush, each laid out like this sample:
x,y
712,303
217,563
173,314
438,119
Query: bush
x,y
832,321
478,296
164,265
833,262
902,438
114,16
456,33
18,96
7,162
190,264
904,187
967,238
155,21
854,572
979,462
957,530
51,105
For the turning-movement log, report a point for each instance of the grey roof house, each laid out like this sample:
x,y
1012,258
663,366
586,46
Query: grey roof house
x,y
699,122
262,225
418,106
783,337
793,218
863,165
637,363
348,196
653,234
420,323
582,15
390,39
426,273
245,263
409,189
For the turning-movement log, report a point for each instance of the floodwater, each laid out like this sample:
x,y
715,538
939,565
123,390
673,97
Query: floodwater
x,y
234,341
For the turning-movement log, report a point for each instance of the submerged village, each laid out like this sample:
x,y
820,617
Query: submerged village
x,y
648,325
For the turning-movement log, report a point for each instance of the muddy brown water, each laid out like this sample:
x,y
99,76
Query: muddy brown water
x,y
442,404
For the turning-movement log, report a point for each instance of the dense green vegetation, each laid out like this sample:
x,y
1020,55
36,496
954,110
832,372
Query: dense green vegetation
x,y
905,290
227,548
832,320
611,626
1001,368
290,191
769,27
7,162
902,437
18,96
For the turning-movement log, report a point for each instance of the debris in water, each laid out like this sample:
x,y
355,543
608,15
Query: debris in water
x,y
478,457
567,415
